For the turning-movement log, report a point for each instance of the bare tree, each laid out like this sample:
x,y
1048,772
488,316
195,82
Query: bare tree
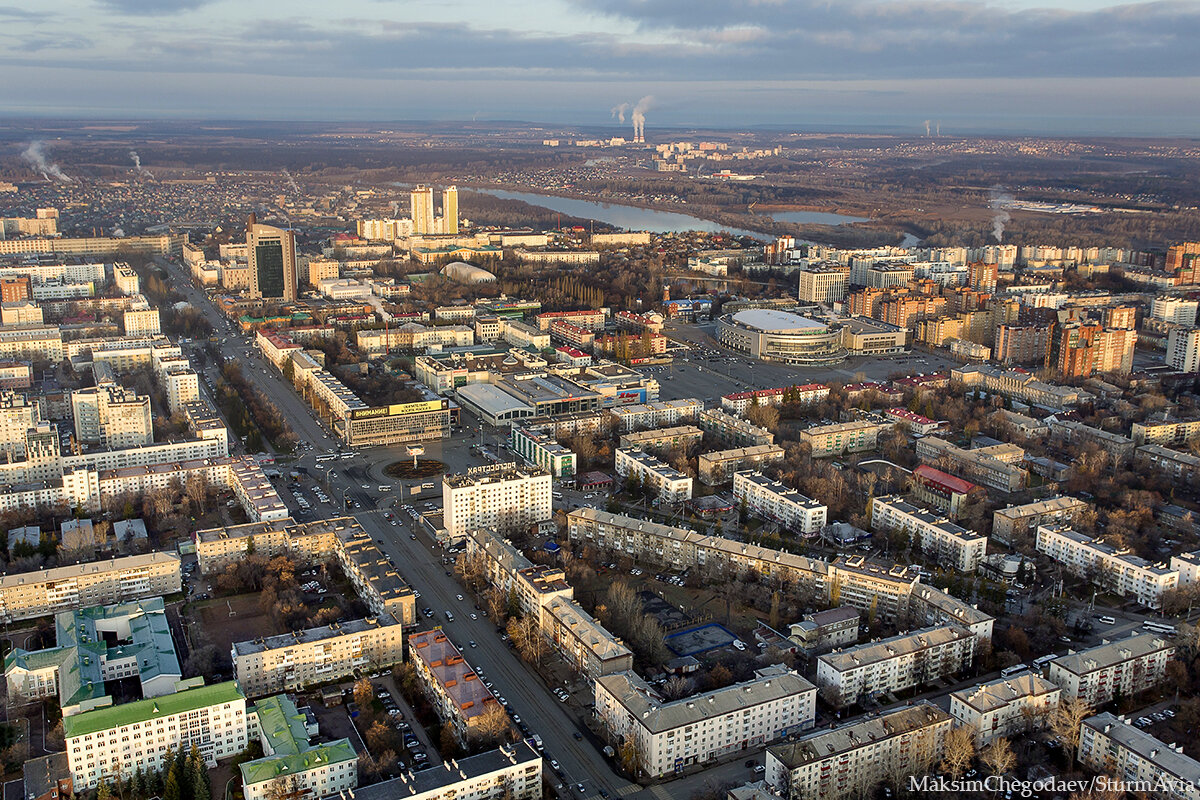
x,y
1065,723
960,749
492,727
677,686
998,756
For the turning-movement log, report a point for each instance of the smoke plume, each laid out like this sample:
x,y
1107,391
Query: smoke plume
x,y
639,117
291,181
619,111
999,199
137,164
35,154
927,124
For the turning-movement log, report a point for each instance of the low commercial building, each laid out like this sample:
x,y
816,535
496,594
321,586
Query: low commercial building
x,y
117,741
1111,746
931,533
842,437
1113,569
542,451
457,692
733,431
1124,667
719,467
895,664
668,484
1015,523
291,662
780,504
312,770
116,580
912,422
1006,707
670,736
851,759
741,402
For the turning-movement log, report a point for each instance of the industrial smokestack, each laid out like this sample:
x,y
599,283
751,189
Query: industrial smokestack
x,y
639,118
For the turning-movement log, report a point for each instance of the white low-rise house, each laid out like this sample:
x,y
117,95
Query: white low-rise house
x,y
1116,570
1125,667
1111,746
1005,707
668,484
894,664
669,736
932,533
779,503
849,760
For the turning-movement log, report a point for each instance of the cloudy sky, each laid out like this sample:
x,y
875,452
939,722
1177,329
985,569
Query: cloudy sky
x,y
1083,66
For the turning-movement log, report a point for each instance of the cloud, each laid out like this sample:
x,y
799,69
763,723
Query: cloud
x,y
152,7
12,12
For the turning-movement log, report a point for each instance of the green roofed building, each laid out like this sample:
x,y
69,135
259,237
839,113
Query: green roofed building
x,y
308,770
118,740
98,644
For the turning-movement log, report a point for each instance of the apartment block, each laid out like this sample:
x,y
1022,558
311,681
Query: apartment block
x,y
457,691
313,770
1123,667
503,497
662,440
1176,310
1111,746
733,431
780,504
295,661
666,483
997,467
1166,432
895,664
117,741
659,414
112,416
1115,570
1176,463
117,580
1006,707
842,437
849,760
823,285
542,451
671,735
822,631
719,467
931,533
1012,524
512,772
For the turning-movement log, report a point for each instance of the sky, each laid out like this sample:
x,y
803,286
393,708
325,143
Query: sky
x,y
1041,66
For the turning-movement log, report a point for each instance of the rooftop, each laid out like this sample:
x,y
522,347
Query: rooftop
x,y
825,744
102,719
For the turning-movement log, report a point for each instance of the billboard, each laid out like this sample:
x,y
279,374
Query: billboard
x,y
398,409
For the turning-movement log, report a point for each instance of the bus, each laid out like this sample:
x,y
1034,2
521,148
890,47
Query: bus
x,y
1015,669
384,488
1160,627
327,457
1042,661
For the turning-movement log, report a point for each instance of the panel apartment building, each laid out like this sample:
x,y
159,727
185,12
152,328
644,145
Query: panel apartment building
x,y
670,736
1005,707
116,580
1110,745
503,497
780,504
1012,524
843,437
849,760
719,467
1125,667
896,663
666,483
1111,568
291,662
931,533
